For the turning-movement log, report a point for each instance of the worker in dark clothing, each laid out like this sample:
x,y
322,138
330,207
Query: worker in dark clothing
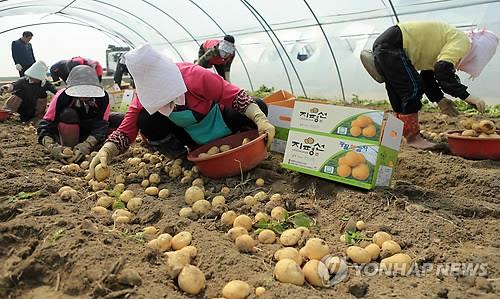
x,y
78,116
29,93
61,69
121,68
22,53
218,53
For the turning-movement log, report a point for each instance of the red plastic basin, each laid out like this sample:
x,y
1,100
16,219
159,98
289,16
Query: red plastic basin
x,y
474,148
230,163
4,115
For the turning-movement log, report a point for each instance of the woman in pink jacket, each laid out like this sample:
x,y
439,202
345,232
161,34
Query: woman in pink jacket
x,y
180,105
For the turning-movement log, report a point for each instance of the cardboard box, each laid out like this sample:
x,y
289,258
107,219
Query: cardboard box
x,y
119,100
360,161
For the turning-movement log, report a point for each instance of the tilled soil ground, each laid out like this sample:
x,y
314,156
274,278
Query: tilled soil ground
x,y
441,209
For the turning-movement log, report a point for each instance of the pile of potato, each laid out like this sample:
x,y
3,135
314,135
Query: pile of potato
x,y
363,125
214,150
353,164
481,129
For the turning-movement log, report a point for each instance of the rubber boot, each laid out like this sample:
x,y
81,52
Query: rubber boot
x,y
368,61
69,134
411,132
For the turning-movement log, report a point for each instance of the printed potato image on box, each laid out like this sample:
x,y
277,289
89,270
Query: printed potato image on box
x,y
338,120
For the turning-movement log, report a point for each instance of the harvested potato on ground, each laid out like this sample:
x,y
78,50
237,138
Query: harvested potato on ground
x,y
181,240
276,197
259,182
145,183
191,280
316,273
225,191
267,236
186,212
373,250
316,249
243,221
193,194
134,161
236,289
152,191
245,243
467,123
67,151
261,216
235,232
154,159
126,195
202,207
70,196
218,201
380,237
358,255
198,182
288,253
119,188
64,188
287,271
278,213
101,173
154,178
213,151
164,193
153,245
399,263
85,165
228,217
134,204
105,201
121,212
149,232
97,186
260,196
174,172
249,201
164,242
224,148
143,173
290,237
389,248
99,211
122,220
186,180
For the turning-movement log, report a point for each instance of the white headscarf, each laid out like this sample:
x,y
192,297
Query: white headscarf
x,y
484,44
158,80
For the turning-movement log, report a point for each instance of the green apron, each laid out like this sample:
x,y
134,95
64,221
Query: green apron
x,y
211,127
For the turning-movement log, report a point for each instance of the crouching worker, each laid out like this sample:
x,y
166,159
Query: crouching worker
x,y
78,116
437,50
29,93
178,105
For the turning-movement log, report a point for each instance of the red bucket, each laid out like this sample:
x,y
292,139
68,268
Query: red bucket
x,y
232,162
473,147
4,114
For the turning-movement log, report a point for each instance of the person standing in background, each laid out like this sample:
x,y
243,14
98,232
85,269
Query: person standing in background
x,y
22,53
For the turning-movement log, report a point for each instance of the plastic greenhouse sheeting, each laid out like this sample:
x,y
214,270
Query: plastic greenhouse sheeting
x,y
310,47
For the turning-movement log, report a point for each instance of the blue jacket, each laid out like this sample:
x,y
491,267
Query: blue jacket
x,y
22,53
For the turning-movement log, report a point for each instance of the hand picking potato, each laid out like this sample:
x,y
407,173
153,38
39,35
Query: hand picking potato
x,y
236,289
102,173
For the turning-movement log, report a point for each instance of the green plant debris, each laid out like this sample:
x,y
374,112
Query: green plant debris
x,y
262,92
58,234
24,195
292,219
118,204
353,237
345,218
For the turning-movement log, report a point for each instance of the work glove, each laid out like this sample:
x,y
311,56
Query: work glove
x,y
479,104
7,88
106,153
56,150
448,107
254,113
84,148
19,67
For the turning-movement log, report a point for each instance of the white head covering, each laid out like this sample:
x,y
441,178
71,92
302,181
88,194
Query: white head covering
x,y
484,44
83,83
37,71
226,48
157,79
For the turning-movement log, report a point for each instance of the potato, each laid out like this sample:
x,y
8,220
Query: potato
x,y
163,193
267,236
245,141
250,201
105,201
278,213
276,197
261,216
145,183
236,289
203,155
467,123
97,186
342,238
224,148
235,232
476,127
360,225
260,196
289,253
202,207
334,264
150,232
316,273
358,255
119,188
316,249
154,178
186,212
154,159
176,261
134,204
470,133
389,248
380,237
259,182
147,156
152,191
373,250
218,201
174,172
143,173
153,245
191,280
213,151
64,188
399,263
85,165
287,271
132,176
243,221
101,173
189,250
198,182
70,195
186,180
99,211
181,240
164,242
126,195
245,243
228,217
122,220
121,212
290,237
193,194
225,191
304,231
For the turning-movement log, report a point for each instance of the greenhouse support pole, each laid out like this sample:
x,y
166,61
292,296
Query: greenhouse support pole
x,y
394,11
330,48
